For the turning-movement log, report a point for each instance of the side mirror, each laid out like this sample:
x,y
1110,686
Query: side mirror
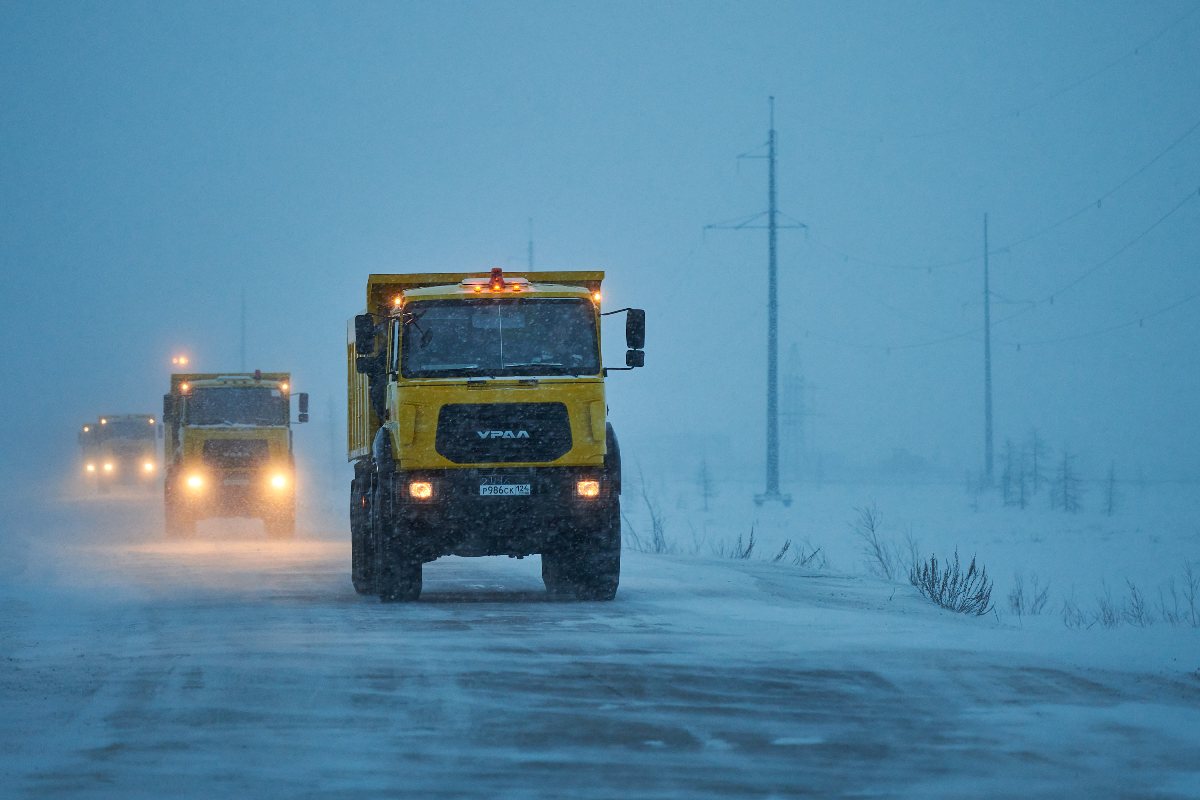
x,y
635,358
303,403
635,329
364,335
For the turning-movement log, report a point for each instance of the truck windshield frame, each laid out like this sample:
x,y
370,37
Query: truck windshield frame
x,y
258,406
500,337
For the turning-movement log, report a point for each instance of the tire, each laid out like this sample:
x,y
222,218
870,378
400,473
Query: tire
x,y
281,525
397,573
555,568
179,523
362,550
599,562
589,567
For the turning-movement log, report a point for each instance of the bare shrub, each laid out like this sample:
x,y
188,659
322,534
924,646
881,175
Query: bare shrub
x,y
655,540
1135,611
948,586
1029,601
1183,609
1170,613
882,558
1191,592
1073,616
782,552
741,550
814,558
1107,613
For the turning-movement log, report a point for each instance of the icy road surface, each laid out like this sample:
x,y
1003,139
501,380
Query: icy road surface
x,y
230,666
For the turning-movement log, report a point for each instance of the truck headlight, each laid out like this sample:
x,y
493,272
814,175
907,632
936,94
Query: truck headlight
x,y
420,490
195,482
588,489
279,481
108,466
90,467
148,466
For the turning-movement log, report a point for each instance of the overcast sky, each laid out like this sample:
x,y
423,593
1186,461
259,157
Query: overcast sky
x,y
158,159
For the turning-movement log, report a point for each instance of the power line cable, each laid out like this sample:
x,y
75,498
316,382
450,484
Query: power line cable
x,y
1028,305
1016,111
1024,239
1138,320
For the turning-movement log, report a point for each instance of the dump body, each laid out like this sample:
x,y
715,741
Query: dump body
x,y
477,425
227,448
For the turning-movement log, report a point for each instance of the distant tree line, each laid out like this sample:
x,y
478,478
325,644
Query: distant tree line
x,y
1031,470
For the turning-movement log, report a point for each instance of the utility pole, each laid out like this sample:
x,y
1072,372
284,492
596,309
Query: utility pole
x,y
772,227
529,252
988,453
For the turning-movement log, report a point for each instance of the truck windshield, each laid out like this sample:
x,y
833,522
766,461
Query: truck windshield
x,y
139,428
250,405
499,337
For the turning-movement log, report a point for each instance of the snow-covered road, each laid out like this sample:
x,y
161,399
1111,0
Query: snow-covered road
x,y
235,667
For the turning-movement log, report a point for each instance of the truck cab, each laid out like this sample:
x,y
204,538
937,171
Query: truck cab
x,y
228,450
120,449
478,426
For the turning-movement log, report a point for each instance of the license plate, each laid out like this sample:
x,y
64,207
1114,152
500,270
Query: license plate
x,y
504,489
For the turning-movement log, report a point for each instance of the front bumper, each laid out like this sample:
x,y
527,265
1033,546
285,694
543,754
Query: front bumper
x,y
458,519
234,494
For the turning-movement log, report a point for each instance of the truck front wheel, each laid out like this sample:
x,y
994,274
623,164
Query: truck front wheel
x,y
587,565
280,524
180,523
362,550
397,573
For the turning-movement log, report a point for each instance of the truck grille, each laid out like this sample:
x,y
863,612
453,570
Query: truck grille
x,y
235,453
497,433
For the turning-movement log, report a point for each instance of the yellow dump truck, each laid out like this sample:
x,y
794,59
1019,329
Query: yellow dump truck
x,y
227,447
478,426
120,449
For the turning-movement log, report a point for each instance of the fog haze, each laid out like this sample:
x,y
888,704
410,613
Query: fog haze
x,y
159,161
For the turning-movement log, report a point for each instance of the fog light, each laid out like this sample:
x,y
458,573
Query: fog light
x,y
194,482
588,488
279,481
420,490
108,467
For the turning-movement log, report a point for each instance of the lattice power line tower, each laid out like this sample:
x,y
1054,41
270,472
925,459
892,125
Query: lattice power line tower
x,y
797,441
772,226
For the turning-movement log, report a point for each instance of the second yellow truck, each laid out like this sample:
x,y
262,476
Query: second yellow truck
x,y
478,426
227,449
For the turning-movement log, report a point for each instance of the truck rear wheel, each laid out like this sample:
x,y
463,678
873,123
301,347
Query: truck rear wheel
x,y
397,573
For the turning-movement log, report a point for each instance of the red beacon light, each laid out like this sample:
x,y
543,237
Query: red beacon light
x,y
496,282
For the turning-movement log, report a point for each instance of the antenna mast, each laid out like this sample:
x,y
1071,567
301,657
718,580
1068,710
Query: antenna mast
x,y
243,345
